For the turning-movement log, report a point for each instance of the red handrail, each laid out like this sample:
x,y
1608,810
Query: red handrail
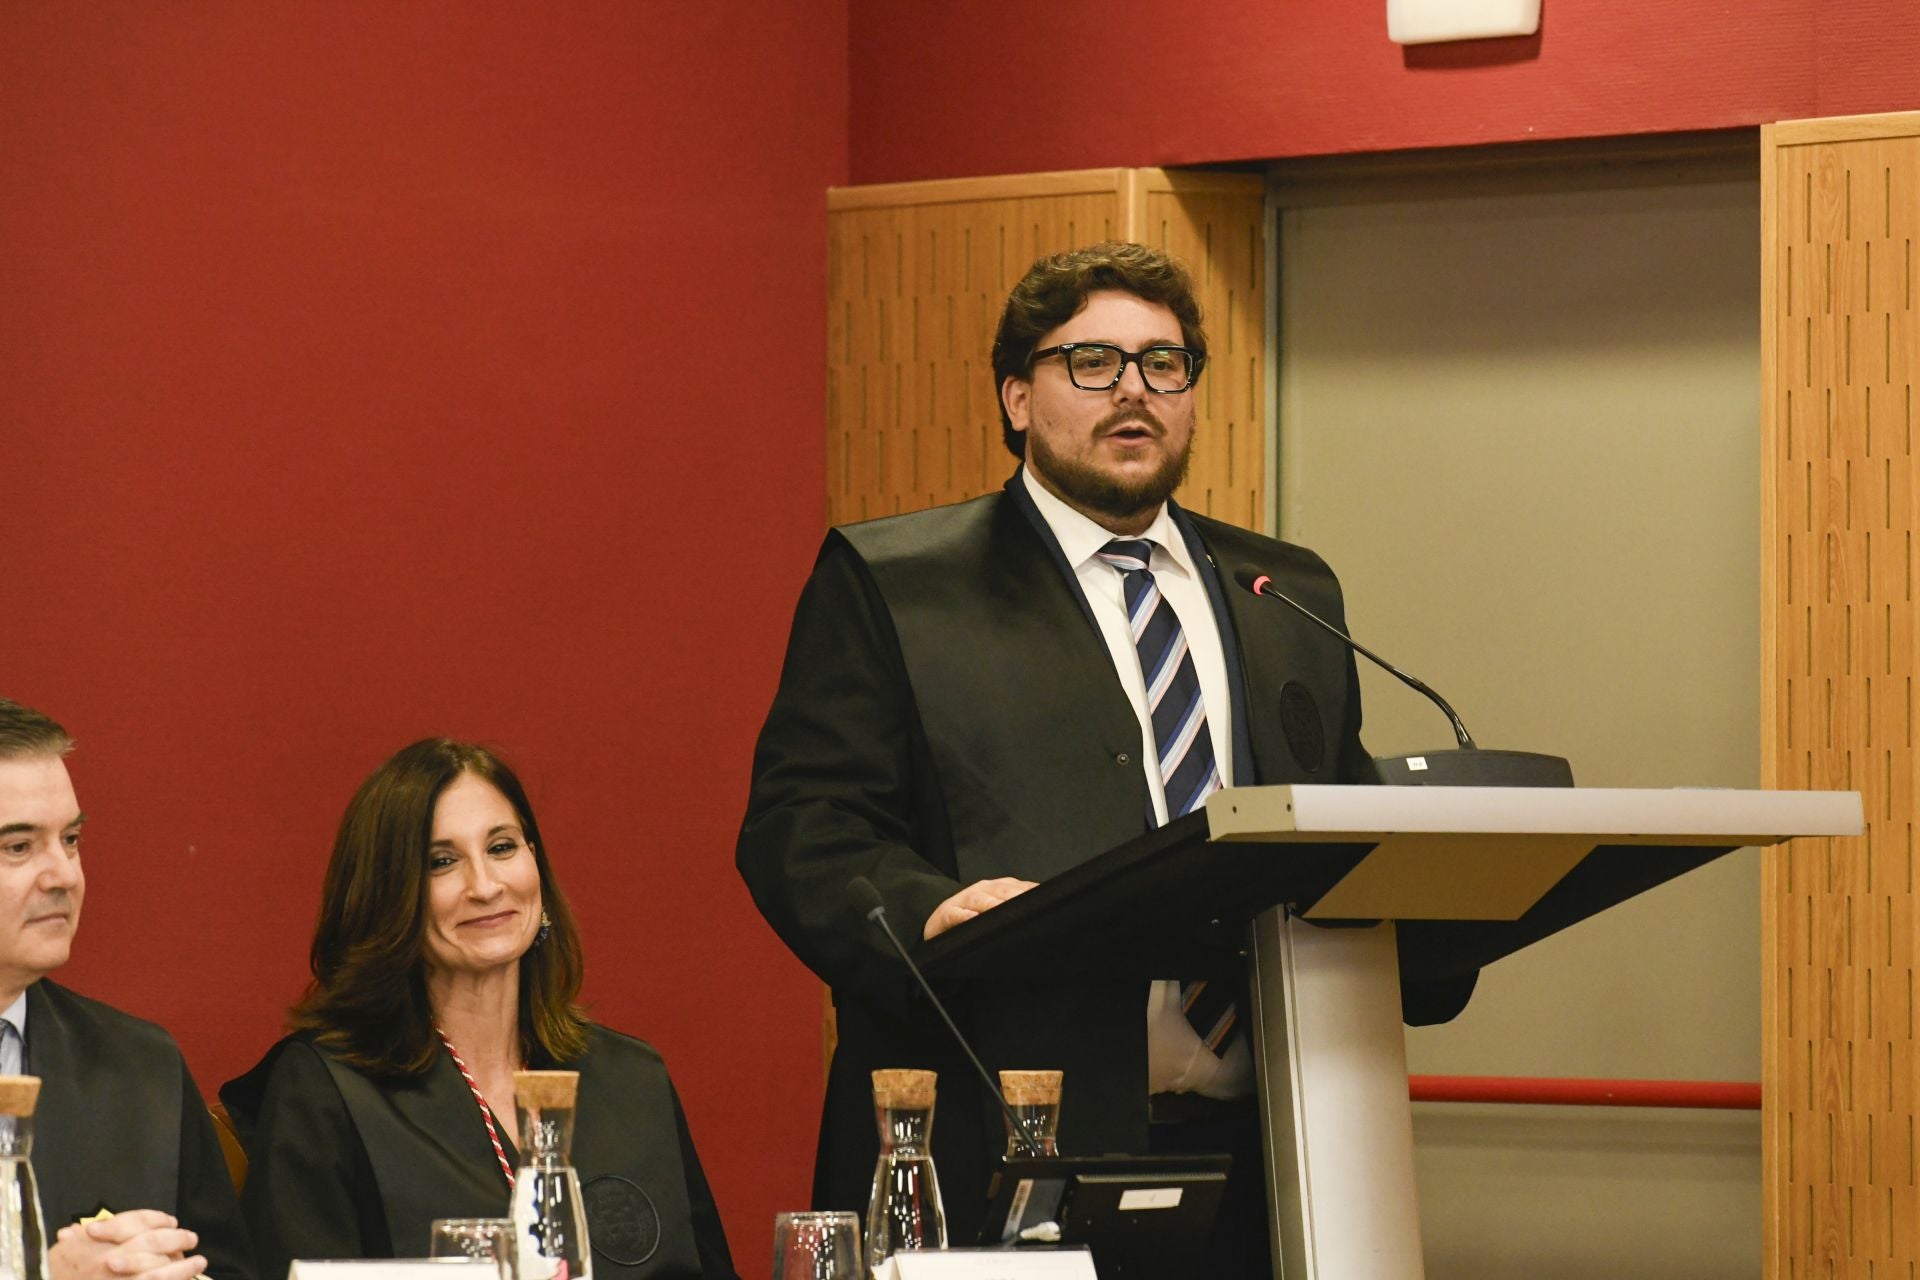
x,y
1724,1095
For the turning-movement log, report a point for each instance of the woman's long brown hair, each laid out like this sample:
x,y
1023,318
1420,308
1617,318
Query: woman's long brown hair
x,y
368,1000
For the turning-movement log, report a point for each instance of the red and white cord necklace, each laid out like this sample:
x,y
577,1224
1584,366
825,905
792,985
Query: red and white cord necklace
x,y
486,1114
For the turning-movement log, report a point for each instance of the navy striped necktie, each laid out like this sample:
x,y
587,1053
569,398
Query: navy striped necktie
x,y
1188,772
1188,769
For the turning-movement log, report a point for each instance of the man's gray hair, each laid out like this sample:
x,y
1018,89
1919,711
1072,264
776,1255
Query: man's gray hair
x,y
26,732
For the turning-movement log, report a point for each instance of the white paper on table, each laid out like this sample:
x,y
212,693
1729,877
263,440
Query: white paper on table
x,y
990,1264
392,1269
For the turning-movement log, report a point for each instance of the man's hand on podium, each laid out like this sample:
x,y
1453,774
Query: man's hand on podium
x,y
979,896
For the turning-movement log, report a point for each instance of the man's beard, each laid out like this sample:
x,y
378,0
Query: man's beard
x,y
1095,492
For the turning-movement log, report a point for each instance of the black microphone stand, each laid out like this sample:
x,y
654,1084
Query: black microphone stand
x,y
878,914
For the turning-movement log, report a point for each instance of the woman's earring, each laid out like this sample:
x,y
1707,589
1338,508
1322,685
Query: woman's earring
x,y
546,929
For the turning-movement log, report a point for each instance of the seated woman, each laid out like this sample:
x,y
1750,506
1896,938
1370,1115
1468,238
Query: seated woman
x,y
444,959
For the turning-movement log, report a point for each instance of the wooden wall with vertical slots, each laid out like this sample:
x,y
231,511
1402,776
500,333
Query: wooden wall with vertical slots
x,y
1215,225
918,273
1840,354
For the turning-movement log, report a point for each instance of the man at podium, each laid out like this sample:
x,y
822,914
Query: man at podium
x,y
981,696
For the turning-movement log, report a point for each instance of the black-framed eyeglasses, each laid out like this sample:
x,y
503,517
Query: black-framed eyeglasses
x,y
1099,366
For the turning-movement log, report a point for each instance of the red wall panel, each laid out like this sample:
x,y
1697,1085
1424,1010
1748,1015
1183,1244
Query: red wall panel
x,y
372,371
369,371
1004,87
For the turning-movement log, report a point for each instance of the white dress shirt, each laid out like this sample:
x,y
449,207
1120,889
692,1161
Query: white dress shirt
x,y
1178,1061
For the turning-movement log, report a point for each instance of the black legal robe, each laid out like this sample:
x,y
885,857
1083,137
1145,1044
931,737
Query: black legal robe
x,y
949,712
347,1165
120,1125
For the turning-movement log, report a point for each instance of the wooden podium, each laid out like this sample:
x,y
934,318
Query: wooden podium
x,y
1331,893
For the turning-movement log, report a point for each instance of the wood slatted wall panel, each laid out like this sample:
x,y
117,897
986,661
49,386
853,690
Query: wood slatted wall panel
x,y
918,273
1841,350
1214,223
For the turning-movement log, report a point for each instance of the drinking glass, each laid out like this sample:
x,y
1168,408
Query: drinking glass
x,y
816,1246
481,1239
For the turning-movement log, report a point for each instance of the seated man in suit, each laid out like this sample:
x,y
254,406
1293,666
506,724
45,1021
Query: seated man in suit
x,y
132,1181
982,696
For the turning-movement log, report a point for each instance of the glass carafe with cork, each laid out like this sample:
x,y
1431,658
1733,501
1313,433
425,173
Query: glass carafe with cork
x,y
1034,1099
23,1232
549,1215
904,1212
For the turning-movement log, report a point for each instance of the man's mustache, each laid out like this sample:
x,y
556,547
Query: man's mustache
x,y
1121,417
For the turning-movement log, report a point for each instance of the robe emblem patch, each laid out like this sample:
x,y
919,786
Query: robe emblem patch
x,y
621,1220
1300,721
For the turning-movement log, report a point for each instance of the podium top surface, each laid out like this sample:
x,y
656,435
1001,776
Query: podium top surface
x,y
1471,873
1621,815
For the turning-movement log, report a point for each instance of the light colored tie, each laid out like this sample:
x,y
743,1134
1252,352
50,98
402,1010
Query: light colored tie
x,y
13,1053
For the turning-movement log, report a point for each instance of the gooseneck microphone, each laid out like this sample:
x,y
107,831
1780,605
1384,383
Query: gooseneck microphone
x,y
865,894
1466,765
1262,585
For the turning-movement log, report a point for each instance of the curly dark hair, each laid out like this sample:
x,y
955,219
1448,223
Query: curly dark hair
x,y
1056,287
368,999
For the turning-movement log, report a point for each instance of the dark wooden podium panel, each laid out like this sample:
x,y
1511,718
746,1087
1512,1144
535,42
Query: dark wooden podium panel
x,y
1174,902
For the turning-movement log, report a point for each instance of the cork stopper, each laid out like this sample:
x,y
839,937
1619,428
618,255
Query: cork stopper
x,y
1031,1088
18,1094
904,1087
543,1089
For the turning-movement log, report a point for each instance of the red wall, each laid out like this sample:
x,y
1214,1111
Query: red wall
x,y
374,370
369,371
1008,86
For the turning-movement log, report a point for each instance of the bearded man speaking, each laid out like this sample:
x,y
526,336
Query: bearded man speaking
x,y
981,696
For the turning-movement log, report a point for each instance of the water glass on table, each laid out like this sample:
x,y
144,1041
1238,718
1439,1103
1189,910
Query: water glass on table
x,y
479,1239
816,1246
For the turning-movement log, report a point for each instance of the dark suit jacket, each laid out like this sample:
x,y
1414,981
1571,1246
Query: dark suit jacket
x,y
344,1165
120,1125
949,712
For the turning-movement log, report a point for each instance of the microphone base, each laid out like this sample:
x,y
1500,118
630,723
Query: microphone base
x,y
1458,767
